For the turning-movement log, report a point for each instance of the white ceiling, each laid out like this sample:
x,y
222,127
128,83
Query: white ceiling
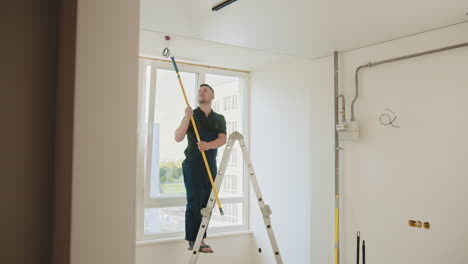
x,y
306,28
207,52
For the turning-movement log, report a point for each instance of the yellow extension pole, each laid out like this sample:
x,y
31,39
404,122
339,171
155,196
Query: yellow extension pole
x,y
195,128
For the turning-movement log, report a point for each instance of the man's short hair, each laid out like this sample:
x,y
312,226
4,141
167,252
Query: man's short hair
x,y
204,84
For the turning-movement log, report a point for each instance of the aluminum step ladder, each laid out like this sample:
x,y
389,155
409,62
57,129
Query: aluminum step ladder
x,y
265,209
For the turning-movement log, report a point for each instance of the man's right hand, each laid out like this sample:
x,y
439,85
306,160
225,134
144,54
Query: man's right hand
x,y
181,131
188,112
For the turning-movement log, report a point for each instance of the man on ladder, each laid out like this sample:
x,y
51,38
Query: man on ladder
x,y
212,131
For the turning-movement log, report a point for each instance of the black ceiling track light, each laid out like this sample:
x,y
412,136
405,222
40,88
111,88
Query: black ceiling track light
x,y
222,5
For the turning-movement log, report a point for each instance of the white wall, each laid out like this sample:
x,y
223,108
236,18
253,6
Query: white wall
x,y
322,142
417,171
291,173
104,156
388,177
227,250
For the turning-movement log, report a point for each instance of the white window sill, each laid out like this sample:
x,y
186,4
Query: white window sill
x,y
180,239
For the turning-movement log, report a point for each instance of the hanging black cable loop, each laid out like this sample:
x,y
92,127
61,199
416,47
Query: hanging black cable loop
x,y
386,119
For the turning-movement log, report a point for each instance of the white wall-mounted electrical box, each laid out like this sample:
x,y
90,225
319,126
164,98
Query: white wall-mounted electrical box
x,y
348,131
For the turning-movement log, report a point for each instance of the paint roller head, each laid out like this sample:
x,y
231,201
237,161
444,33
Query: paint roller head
x,y
166,53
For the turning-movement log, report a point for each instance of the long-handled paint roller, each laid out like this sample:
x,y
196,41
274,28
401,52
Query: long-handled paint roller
x,y
167,53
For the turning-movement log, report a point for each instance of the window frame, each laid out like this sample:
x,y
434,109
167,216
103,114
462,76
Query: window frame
x,y
144,152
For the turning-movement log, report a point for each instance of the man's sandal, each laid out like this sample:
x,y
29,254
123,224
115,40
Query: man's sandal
x,y
204,248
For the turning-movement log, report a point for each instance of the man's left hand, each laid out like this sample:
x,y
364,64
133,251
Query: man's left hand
x,y
204,146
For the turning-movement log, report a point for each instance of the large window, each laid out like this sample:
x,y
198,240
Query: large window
x,y
161,191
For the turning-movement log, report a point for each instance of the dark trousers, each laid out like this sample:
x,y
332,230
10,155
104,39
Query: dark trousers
x,y
198,187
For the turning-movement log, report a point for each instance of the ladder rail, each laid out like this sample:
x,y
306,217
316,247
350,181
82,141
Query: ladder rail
x,y
264,208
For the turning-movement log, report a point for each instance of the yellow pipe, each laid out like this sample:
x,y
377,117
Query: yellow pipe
x,y
337,229
195,128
